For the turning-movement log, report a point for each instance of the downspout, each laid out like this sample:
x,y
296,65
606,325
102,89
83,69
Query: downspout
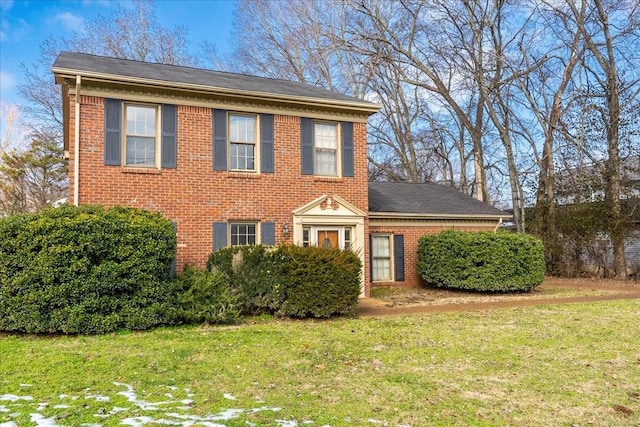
x,y
76,145
497,226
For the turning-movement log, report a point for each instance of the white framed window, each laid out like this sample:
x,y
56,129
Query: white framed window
x,y
243,233
306,236
347,238
381,257
325,136
242,142
141,135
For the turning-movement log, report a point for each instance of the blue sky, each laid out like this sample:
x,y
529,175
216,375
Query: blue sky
x,y
24,24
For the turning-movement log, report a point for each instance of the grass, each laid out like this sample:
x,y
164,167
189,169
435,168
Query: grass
x,y
551,365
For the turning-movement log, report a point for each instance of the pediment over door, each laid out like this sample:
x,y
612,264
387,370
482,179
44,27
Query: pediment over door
x,y
333,206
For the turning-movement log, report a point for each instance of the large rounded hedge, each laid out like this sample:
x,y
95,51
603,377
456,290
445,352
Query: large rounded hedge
x,y
85,270
481,261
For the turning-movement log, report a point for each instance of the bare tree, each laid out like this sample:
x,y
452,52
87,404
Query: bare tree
x,y
610,48
126,33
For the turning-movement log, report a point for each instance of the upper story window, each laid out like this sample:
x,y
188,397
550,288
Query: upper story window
x,y
141,135
242,142
326,148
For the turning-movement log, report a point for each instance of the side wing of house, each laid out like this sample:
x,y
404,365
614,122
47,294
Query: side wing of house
x,y
401,213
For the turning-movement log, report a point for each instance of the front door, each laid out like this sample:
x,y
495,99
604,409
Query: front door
x,y
328,239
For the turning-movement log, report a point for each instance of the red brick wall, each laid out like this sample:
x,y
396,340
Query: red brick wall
x,y
196,196
412,234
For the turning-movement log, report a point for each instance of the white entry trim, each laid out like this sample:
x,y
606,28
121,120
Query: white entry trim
x,y
332,213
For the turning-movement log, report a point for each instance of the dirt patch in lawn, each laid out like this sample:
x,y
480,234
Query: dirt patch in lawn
x,y
551,291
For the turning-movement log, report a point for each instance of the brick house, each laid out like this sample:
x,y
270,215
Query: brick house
x,y
234,159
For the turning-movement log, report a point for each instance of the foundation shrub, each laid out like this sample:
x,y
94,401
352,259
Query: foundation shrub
x,y
203,297
254,276
290,281
85,270
320,282
481,261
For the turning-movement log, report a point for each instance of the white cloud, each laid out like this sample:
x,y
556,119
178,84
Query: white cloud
x,y
69,21
104,3
7,82
13,31
5,5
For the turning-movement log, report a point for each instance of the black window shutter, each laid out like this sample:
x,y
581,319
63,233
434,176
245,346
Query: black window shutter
x,y
266,143
175,261
220,140
306,133
169,137
268,233
219,235
347,149
112,130
398,252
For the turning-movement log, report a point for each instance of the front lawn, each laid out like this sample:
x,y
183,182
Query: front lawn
x,y
550,365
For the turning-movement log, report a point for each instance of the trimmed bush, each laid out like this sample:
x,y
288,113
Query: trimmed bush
x,y
481,261
85,270
320,282
290,280
204,297
254,275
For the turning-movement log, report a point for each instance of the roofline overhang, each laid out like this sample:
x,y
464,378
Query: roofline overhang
x,y
414,216
68,73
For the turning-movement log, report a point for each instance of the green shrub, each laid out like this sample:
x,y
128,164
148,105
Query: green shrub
x,y
484,261
320,282
204,297
85,270
254,274
290,280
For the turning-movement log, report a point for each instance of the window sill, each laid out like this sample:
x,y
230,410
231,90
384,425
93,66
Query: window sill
x,y
327,178
151,171
243,175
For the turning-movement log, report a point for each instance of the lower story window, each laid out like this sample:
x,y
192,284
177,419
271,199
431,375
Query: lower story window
x,y
381,257
243,234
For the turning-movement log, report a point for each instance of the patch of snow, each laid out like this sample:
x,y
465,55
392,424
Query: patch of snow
x,y
62,396
41,421
132,397
61,406
26,385
4,409
186,402
286,423
229,396
9,424
42,406
97,397
136,421
14,398
90,425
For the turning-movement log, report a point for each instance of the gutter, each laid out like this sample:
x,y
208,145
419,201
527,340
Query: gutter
x,y
400,215
76,145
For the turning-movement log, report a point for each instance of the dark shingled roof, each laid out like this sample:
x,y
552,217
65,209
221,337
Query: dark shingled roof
x,y
426,199
195,76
